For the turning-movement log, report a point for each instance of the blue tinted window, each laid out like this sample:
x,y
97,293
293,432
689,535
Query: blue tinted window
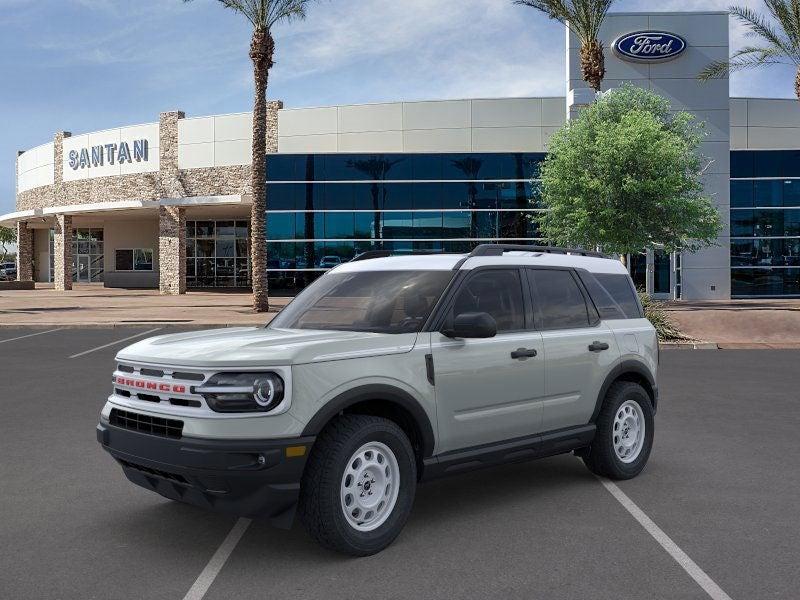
x,y
768,163
280,226
366,196
455,195
398,225
427,195
456,224
367,225
396,196
281,167
339,225
768,193
742,223
742,164
426,166
765,282
741,194
791,192
339,196
427,224
282,196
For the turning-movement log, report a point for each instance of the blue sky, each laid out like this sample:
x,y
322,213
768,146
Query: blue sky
x,y
84,65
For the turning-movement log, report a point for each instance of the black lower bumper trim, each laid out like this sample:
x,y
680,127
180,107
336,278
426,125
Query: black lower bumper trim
x,y
248,478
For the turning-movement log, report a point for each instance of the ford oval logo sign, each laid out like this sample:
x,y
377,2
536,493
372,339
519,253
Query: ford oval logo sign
x,y
649,46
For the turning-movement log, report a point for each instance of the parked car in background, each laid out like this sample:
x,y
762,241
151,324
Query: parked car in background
x,y
328,262
8,271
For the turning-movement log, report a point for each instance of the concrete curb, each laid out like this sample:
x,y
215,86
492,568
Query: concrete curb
x,y
690,345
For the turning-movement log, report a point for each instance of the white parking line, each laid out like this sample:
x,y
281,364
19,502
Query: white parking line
x,y
214,566
688,565
22,337
114,343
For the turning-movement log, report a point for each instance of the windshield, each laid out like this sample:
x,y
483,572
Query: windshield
x,y
376,301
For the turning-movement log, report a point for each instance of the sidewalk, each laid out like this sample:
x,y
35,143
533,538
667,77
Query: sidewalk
x,y
90,305
740,323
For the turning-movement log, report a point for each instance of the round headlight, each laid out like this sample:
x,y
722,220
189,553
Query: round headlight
x,y
264,392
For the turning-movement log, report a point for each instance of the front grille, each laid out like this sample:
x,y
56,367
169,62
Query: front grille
x,y
170,428
157,472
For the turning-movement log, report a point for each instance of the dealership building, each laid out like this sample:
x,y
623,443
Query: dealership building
x,y
167,204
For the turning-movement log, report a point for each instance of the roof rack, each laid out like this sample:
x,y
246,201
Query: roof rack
x,y
500,249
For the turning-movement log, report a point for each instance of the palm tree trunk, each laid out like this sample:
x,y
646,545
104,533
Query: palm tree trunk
x,y
593,64
261,52
797,84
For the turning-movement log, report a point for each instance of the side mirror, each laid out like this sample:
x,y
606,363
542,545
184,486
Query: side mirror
x,y
472,325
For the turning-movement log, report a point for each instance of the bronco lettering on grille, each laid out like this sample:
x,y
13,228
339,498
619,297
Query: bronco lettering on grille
x,y
149,385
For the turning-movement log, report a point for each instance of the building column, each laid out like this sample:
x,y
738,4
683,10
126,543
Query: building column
x,y
171,250
24,252
62,251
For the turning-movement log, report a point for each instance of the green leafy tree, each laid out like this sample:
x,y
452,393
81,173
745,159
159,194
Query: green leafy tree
x,y
584,19
778,40
8,236
263,15
625,176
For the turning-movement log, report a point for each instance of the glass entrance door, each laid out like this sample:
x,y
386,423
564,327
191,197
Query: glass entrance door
x,y
83,269
662,269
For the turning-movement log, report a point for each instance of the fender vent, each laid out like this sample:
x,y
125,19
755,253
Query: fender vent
x,y
170,428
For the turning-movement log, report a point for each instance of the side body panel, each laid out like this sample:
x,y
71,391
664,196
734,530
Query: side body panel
x,y
575,374
483,395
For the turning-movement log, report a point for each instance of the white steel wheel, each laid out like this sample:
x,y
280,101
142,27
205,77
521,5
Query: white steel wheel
x,y
370,485
629,431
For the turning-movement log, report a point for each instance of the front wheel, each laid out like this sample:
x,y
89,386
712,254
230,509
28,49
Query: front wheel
x,y
624,435
359,485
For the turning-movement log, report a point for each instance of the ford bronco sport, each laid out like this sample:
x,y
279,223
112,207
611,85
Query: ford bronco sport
x,y
387,371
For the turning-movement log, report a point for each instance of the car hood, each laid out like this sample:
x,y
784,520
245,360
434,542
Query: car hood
x,y
259,346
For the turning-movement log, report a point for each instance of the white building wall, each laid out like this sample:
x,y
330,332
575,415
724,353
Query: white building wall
x,y
480,125
765,124
706,274
35,167
215,141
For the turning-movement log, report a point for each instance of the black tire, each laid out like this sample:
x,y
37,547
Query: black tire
x,y
320,506
600,457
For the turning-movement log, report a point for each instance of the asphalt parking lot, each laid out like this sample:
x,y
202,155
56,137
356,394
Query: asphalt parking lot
x,y
722,483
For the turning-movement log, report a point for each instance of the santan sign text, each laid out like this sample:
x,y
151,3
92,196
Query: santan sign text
x,y
97,156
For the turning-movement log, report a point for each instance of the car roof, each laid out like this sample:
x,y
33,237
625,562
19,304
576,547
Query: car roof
x,y
447,262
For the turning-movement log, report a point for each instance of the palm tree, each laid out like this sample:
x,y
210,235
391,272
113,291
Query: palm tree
x,y
780,41
262,15
584,19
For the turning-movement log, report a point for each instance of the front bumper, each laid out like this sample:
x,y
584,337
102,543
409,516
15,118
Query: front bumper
x,y
248,478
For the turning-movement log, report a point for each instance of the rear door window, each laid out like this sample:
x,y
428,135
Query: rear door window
x,y
612,294
558,299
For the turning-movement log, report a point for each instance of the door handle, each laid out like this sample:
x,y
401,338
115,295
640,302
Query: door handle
x,y
597,346
522,353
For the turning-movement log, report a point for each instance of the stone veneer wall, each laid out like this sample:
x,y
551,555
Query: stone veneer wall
x,y
169,182
24,252
62,250
171,250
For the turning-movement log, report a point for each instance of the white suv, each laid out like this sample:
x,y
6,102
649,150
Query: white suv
x,y
387,371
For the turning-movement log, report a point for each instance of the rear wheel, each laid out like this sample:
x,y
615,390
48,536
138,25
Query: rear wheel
x,y
624,436
359,485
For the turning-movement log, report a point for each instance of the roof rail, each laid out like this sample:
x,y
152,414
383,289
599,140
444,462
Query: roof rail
x,y
500,249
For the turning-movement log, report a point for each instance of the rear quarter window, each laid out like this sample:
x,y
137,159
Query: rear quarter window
x,y
613,295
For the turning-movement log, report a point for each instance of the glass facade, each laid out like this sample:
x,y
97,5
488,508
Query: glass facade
x,y
217,254
765,223
326,208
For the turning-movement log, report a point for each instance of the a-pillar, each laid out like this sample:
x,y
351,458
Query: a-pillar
x,y
171,250
62,253
24,252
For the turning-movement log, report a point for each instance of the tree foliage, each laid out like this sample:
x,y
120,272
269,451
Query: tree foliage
x,y
778,40
8,236
584,19
625,176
